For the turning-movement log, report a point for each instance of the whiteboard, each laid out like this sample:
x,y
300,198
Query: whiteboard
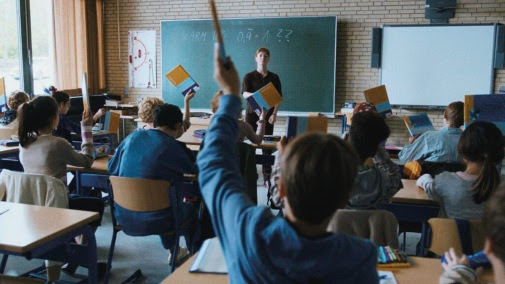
x,y
436,65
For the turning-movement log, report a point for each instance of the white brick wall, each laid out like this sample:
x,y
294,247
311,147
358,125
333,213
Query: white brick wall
x,y
356,18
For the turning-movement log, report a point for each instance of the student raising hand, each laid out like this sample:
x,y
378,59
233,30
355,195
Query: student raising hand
x,y
227,78
87,117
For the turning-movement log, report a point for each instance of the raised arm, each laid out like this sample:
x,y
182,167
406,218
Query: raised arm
x,y
187,113
220,180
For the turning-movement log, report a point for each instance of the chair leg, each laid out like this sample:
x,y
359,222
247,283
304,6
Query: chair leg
x,y
4,263
111,253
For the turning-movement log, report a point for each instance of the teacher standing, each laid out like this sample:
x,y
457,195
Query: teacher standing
x,y
254,81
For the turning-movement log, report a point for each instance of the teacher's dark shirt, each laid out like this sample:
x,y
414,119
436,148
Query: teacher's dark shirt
x,y
254,81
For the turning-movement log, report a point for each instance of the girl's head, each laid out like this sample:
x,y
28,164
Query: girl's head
x,y
147,107
214,104
453,114
16,99
39,114
482,143
63,101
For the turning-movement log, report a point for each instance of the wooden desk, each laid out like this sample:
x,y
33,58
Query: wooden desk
x,y
423,270
8,150
412,194
189,139
45,232
9,158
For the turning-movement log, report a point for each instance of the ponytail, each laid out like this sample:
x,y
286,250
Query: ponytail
x,y
482,142
26,131
35,116
487,182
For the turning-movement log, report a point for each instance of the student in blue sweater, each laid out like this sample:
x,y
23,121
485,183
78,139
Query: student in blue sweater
x,y
318,172
156,154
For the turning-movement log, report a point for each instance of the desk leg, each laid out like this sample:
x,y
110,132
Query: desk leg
x,y
78,182
123,129
92,258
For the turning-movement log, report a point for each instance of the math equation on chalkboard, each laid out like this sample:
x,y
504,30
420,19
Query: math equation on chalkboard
x,y
242,36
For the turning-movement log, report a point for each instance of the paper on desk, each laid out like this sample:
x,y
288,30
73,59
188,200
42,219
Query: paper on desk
x,y
386,277
210,258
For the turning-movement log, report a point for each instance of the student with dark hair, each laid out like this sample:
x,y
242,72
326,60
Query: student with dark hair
x,y
437,146
67,126
457,269
463,195
43,153
162,157
374,185
148,105
318,172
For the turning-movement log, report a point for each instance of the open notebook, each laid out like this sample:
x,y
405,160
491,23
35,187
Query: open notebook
x,y
210,258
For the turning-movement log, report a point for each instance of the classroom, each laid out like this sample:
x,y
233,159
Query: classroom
x,y
115,80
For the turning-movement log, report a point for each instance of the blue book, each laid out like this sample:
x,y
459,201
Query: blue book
x,y
418,123
489,108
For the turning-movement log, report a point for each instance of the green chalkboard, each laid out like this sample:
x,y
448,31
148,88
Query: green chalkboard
x,y
302,53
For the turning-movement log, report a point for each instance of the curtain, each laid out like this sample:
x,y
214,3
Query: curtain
x,y
78,44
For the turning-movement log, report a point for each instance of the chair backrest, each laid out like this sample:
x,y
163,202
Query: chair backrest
x,y
445,234
380,226
142,195
33,189
111,121
435,168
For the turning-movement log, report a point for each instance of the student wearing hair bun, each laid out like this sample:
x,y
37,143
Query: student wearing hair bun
x,y
463,195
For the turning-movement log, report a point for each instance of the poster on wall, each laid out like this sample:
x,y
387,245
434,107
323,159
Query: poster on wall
x,y
142,59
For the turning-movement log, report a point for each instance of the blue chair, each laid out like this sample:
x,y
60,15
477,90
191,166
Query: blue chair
x,y
143,207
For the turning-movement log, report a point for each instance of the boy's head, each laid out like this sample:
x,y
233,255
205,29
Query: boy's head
x,y
147,107
16,99
454,113
63,101
368,129
168,115
494,221
317,174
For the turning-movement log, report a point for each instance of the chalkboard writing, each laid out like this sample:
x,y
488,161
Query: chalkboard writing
x,y
303,54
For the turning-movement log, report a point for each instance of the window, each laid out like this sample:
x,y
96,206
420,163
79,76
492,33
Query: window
x,y
9,46
42,45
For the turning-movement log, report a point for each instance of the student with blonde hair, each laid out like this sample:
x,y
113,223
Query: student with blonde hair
x,y
437,146
148,106
16,99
